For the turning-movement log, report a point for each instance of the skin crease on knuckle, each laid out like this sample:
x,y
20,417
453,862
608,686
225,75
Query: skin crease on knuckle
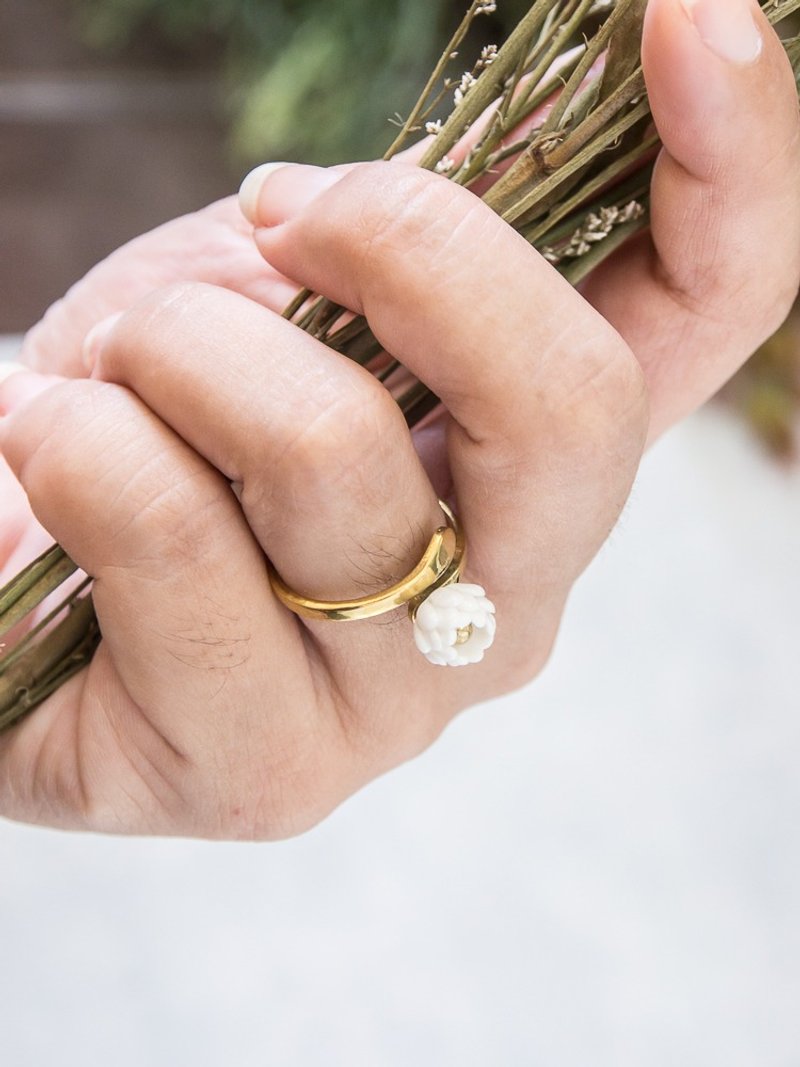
x,y
396,213
142,337
596,414
68,419
164,310
393,212
702,286
158,500
340,448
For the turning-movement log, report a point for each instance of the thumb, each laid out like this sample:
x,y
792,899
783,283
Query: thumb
x,y
725,190
723,267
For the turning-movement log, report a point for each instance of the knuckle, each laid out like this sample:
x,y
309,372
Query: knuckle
x,y
399,208
592,414
149,326
172,302
597,399
722,275
163,517
45,439
161,507
733,302
340,441
606,397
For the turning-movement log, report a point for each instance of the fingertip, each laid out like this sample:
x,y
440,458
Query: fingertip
x,y
705,38
274,192
251,188
727,28
19,385
718,81
7,369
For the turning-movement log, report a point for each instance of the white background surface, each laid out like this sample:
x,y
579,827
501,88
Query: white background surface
x,y
600,871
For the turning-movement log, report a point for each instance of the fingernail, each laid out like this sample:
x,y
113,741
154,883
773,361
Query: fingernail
x,y
95,339
304,184
727,27
20,385
250,189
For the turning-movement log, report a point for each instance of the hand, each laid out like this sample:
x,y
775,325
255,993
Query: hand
x,y
211,710
208,709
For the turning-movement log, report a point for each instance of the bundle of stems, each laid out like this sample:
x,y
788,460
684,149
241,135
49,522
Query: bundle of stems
x,y
573,178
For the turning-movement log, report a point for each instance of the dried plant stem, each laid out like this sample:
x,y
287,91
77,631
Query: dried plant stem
x,y
33,585
541,170
594,50
30,678
489,86
412,123
546,228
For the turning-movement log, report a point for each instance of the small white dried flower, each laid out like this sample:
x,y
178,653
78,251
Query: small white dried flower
x,y
455,625
596,227
488,56
433,128
445,165
486,7
631,213
468,79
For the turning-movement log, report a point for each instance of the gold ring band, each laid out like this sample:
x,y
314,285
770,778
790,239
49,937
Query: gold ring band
x,y
442,564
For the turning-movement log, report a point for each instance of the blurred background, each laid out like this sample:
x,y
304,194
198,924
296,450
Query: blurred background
x,y
602,869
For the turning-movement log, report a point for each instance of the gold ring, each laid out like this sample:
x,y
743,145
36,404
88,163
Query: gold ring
x,y
442,564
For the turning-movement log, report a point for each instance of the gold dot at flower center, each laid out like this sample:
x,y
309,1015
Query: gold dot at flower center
x,y
463,635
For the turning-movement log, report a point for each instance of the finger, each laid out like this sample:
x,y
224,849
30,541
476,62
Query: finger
x,y
213,245
723,265
180,587
329,479
20,535
546,401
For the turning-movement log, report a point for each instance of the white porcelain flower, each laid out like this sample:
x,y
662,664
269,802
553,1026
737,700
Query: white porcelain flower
x,y
455,625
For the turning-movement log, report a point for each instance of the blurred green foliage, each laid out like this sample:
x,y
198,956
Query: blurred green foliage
x,y
316,80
